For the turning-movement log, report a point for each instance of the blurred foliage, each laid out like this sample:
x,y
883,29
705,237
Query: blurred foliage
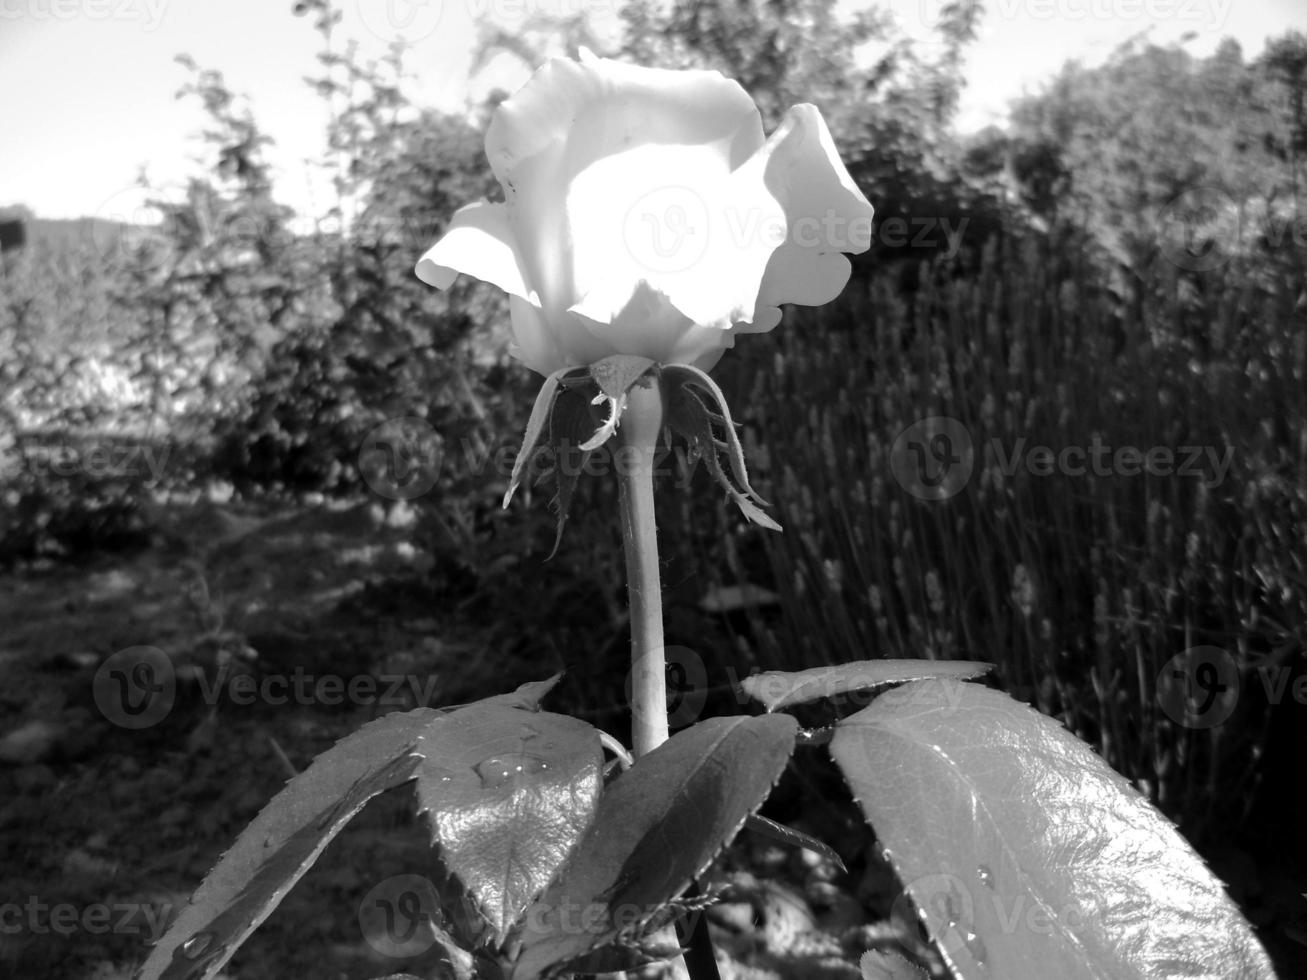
x,y
1138,142
1127,262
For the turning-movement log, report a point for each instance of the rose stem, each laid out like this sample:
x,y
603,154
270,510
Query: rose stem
x,y
642,423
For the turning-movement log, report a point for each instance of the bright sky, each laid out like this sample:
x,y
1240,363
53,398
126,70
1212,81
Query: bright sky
x,y
87,86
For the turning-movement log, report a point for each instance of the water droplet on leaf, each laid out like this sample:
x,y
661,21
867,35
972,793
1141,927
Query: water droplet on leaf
x,y
500,769
976,946
195,947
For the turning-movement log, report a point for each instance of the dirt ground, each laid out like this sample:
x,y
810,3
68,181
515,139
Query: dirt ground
x,y
106,825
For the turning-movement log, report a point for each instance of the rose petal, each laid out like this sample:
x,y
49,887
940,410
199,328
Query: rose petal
x,y
570,116
480,243
673,218
646,325
826,213
646,215
548,345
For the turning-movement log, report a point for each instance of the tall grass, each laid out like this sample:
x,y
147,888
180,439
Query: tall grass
x,y
1081,587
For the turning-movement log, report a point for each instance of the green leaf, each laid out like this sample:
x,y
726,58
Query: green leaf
x,y
631,955
541,412
525,696
571,425
615,375
794,838
889,965
685,376
1026,855
689,417
781,689
281,843
658,826
508,794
